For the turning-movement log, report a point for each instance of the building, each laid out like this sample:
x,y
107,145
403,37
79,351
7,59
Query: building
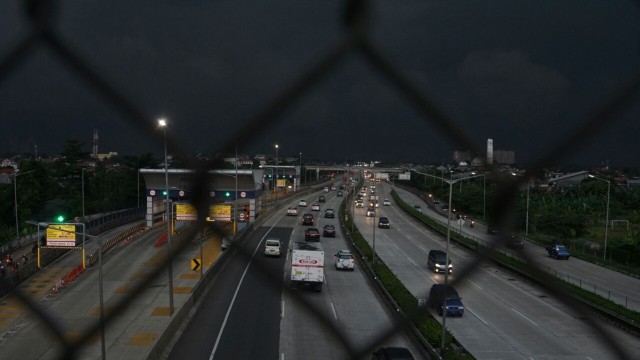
x,y
459,156
506,157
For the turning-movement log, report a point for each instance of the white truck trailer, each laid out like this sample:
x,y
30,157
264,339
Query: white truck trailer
x,y
307,265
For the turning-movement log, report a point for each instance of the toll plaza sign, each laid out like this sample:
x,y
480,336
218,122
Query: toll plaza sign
x,y
61,235
186,212
220,212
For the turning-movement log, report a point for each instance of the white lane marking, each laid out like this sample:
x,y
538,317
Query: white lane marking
x,y
282,310
478,286
235,294
335,315
521,314
476,315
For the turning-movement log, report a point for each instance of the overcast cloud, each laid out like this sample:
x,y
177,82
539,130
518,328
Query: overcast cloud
x,y
524,73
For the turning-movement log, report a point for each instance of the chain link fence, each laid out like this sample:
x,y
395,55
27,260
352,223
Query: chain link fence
x,y
356,40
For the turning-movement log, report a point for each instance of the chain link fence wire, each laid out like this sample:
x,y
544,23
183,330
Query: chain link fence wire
x,y
355,41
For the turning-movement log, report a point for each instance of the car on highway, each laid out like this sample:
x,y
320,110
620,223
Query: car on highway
x,y
558,251
272,247
437,260
339,193
315,207
307,219
386,202
371,212
326,189
383,222
359,204
343,260
392,353
303,203
417,207
292,211
322,199
441,292
374,203
492,230
329,231
312,234
329,214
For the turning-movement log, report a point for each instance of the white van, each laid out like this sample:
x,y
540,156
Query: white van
x,y
272,247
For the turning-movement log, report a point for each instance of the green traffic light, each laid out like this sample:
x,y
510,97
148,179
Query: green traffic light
x,y
60,218
227,194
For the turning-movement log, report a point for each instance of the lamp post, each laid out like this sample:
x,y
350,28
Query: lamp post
x,y
300,179
606,225
526,223
15,197
446,272
163,124
373,261
276,188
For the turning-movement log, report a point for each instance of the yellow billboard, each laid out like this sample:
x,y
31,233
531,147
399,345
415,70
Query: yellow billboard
x,y
186,212
281,182
61,235
220,212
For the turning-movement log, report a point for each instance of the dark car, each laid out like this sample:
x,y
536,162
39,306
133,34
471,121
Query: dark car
x,y
383,223
329,214
392,353
322,199
339,193
312,234
441,292
307,219
491,229
437,260
329,231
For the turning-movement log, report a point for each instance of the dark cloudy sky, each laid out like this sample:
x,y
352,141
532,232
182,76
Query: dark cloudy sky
x,y
524,73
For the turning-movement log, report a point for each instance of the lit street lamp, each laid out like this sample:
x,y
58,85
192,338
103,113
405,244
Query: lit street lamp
x,y
276,188
163,124
606,225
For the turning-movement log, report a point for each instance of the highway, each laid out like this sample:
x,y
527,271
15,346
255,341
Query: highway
x,y
251,302
252,312
505,317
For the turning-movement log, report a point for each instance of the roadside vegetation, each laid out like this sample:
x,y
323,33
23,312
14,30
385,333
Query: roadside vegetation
x,y
575,216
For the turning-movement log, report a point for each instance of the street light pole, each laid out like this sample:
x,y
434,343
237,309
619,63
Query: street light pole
x,y
163,125
15,197
526,224
277,168
606,225
373,261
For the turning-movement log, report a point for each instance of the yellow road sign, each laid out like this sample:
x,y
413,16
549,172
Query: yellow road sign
x,y
195,264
